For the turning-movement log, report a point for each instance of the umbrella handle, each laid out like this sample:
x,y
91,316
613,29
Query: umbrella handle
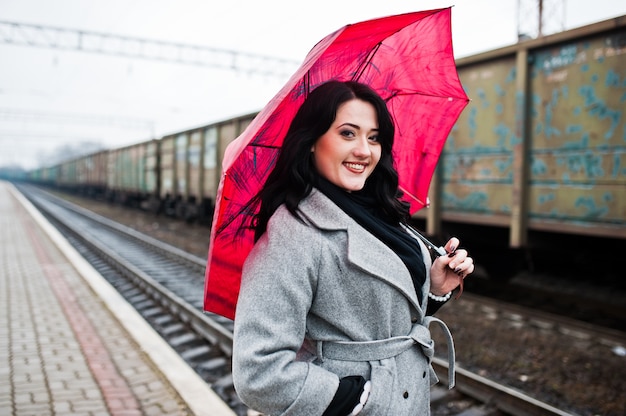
x,y
440,251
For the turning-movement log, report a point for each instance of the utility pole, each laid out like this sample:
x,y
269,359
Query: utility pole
x,y
537,18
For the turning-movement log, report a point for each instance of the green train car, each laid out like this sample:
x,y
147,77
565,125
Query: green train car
x,y
132,174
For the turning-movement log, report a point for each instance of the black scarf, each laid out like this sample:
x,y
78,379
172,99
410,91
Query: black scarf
x,y
362,207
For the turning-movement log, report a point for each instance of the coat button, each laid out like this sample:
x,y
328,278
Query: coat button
x,y
413,319
424,375
406,395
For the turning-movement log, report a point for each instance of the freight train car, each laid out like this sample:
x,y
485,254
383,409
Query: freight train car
x,y
85,175
132,175
46,176
538,158
177,175
190,166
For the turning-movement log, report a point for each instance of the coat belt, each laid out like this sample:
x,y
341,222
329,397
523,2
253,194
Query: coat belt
x,y
391,347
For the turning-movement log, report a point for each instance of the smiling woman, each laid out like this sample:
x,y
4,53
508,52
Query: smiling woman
x,y
336,297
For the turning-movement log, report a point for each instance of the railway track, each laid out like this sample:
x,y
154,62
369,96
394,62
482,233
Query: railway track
x,y
165,285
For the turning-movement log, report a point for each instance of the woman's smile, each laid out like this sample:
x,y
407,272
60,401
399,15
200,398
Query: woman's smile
x,y
356,167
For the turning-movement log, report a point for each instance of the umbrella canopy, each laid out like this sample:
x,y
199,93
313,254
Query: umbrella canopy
x,y
408,60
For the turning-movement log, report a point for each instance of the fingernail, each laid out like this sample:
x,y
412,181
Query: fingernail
x,y
457,270
452,254
452,249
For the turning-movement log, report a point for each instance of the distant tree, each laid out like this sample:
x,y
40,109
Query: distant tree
x,y
69,151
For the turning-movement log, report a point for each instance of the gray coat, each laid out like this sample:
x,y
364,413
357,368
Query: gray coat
x,y
329,279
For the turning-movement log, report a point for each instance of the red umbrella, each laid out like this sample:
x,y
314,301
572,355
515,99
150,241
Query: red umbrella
x,y
408,60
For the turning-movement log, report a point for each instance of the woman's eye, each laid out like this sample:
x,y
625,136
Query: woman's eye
x,y
374,139
347,133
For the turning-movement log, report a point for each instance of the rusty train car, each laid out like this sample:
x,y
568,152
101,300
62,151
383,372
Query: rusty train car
x,y
537,160
190,167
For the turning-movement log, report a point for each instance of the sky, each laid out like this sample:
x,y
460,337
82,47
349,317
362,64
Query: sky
x,y
53,102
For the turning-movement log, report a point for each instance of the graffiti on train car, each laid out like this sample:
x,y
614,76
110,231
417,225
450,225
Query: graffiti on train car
x,y
578,136
478,159
577,140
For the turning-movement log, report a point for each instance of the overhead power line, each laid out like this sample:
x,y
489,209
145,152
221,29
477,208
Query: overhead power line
x,y
24,34
7,114
25,136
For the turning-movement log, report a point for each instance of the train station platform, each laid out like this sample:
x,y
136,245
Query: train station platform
x,y
71,345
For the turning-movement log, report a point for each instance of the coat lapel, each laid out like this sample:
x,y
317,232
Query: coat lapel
x,y
364,250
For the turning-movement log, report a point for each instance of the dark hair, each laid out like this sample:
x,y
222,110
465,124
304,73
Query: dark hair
x,y
294,174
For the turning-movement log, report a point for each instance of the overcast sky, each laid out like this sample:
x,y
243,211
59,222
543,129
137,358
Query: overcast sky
x,y
50,97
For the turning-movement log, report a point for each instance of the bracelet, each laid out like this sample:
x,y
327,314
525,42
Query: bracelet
x,y
443,298
363,399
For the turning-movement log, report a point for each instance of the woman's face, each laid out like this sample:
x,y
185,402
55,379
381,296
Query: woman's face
x,y
348,152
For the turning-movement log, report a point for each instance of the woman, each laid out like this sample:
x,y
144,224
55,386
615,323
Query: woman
x,y
332,317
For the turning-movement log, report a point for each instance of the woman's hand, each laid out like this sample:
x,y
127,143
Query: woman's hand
x,y
448,272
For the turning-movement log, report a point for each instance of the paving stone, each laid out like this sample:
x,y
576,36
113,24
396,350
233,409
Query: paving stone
x,y
65,349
